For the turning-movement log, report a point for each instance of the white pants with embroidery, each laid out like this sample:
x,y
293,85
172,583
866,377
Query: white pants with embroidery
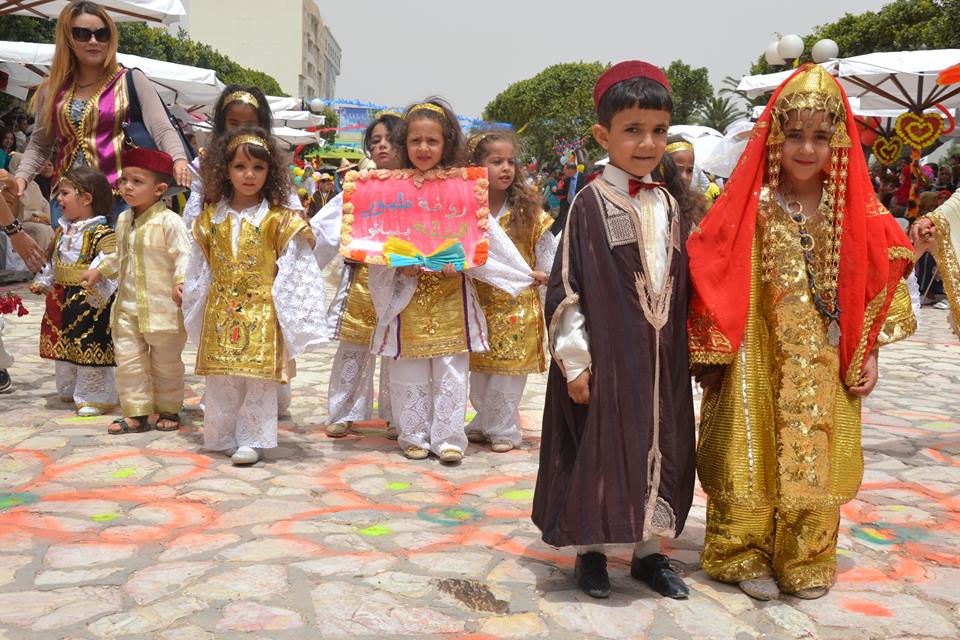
x,y
350,391
6,358
240,412
496,398
429,401
88,386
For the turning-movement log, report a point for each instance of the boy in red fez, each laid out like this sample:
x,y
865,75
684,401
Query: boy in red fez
x,y
146,322
617,450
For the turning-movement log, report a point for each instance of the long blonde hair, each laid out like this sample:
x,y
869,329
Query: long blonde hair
x,y
65,61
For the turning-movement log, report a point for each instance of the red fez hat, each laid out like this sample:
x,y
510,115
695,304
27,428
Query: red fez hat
x,y
149,159
627,71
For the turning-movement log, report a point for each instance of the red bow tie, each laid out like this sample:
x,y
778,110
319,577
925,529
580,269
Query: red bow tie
x,y
636,185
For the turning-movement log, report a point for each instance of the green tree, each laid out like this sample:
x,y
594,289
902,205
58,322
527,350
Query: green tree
x,y
719,112
332,122
691,90
556,103
902,25
138,39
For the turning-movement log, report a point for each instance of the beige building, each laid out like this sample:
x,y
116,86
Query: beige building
x,y
286,39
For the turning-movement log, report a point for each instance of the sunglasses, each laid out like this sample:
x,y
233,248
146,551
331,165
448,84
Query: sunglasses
x,y
82,34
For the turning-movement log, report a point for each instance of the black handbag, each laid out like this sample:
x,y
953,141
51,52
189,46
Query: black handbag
x,y
135,132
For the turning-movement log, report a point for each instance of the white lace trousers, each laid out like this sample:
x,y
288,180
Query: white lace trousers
x,y
429,401
240,412
496,399
350,392
6,359
88,386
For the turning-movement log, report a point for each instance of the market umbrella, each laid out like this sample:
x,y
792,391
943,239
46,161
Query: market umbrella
x,y
949,76
27,63
165,11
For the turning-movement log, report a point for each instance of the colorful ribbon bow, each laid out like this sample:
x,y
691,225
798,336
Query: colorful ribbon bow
x,y
401,253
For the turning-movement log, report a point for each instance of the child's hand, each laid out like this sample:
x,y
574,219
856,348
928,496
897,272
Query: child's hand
x,y
871,373
539,278
449,271
178,294
89,278
579,388
922,234
709,376
411,271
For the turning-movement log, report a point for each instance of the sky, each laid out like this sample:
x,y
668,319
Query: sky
x,y
400,51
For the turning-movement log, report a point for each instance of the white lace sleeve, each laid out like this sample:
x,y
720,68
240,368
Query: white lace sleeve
x,y
104,288
505,268
44,279
339,298
325,225
391,292
571,343
914,288
546,250
299,299
196,285
194,205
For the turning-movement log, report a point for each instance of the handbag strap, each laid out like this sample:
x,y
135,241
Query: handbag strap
x,y
134,109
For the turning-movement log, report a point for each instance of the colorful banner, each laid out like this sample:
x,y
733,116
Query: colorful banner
x,y
353,120
405,217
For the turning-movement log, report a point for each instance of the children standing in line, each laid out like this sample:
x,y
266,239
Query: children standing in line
x,y
617,450
428,322
147,326
75,331
254,299
515,325
352,314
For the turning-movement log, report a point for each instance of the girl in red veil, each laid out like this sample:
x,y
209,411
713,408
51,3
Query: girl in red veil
x,y
798,280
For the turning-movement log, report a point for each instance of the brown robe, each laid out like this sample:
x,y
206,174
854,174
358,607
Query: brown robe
x,y
599,481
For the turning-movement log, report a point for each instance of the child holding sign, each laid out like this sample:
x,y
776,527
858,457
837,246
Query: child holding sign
x,y
516,327
429,321
253,299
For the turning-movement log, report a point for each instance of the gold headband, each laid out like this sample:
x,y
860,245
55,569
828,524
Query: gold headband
x,y
683,145
428,106
475,141
386,112
242,96
248,138
811,90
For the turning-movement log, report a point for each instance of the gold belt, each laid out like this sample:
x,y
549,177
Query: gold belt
x,y
68,274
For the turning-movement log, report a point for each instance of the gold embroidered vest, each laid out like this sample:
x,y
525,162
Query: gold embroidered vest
x,y
434,323
359,317
515,325
241,334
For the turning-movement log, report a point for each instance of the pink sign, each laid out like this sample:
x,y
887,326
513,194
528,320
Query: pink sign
x,y
418,214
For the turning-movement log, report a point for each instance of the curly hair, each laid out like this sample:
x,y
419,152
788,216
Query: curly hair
x,y
693,204
524,200
454,151
215,163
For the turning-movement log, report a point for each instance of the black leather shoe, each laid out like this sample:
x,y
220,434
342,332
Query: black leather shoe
x,y
655,570
591,574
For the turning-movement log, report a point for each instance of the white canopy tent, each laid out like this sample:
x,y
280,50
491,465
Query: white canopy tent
x,y
165,11
27,63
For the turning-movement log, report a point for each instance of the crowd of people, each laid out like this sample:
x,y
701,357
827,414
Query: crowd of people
x,y
776,296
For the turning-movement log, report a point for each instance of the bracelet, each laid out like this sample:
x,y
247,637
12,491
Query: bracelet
x,y
13,228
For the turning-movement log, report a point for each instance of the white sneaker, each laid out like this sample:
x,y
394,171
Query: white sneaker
x,y
89,412
943,305
245,455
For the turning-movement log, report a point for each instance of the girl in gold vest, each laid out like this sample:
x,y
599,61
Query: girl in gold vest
x,y
254,297
515,325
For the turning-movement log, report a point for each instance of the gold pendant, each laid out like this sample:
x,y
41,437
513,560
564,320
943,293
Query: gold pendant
x,y
833,333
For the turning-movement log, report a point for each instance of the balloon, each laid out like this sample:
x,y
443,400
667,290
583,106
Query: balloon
x,y
297,180
316,177
580,168
299,172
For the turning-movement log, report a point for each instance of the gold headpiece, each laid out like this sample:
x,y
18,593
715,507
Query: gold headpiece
x,y
475,141
682,145
386,112
248,138
242,96
815,90
428,106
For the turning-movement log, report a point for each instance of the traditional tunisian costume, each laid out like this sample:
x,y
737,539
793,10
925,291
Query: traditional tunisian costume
x,y
428,325
253,302
516,337
621,468
779,447
946,217
75,331
352,319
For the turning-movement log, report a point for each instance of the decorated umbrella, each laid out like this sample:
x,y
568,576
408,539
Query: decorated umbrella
x,y
27,63
165,11
949,76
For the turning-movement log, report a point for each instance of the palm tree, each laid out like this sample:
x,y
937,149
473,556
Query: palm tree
x,y
719,113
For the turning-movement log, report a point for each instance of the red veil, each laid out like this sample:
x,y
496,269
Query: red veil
x,y
874,252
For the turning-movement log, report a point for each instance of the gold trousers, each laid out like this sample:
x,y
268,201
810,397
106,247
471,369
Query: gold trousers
x,y
797,547
149,368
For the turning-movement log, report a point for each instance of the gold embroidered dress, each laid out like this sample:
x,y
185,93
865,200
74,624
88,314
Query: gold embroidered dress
x,y
946,217
779,448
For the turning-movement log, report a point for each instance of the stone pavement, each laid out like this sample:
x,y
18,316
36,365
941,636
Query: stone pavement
x,y
145,536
